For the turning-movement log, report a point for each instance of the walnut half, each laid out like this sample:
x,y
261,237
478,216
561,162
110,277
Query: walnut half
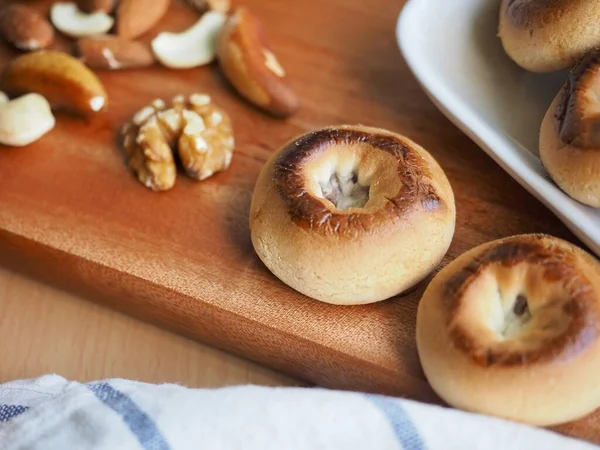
x,y
199,130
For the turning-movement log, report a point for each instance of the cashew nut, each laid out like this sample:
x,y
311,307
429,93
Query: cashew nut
x,y
73,22
194,47
24,119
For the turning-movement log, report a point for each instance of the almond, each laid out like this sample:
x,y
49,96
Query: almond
x,y
252,68
24,28
92,6
62,79
113,53
135,17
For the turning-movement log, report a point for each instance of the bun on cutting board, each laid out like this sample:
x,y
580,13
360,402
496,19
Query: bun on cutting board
x,y
512,329
549,35
570,133
351,214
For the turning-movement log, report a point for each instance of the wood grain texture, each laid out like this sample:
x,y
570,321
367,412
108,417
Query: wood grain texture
x,y
49,331
71,215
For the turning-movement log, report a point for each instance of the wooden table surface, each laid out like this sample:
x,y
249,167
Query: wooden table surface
x,y
44,330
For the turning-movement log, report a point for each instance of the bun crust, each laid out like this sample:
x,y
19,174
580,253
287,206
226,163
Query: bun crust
x,y
351,214
570,134
548,35
512,329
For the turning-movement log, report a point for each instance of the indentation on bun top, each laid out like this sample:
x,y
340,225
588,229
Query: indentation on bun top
x,y
343,190
578,109
520,302
349,179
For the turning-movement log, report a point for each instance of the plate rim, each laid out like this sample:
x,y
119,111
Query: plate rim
x,y
498,146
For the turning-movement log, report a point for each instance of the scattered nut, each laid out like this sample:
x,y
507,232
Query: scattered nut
x,y
135,17
252,68
70,20
149,156
201,131
193,47
24,120
92,6
206,142
24,28
113,53
211,5
62,79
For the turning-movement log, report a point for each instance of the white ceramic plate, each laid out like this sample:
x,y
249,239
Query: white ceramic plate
x,y
453,50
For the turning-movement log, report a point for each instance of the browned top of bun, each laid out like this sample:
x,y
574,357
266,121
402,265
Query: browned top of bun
x,y
410,181
562,323
530,13
578,110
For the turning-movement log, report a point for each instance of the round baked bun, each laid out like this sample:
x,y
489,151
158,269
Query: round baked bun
x,y
512,329
570,134
351,215
546,36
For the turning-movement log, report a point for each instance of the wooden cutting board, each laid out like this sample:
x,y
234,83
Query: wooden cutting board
x,y
71,215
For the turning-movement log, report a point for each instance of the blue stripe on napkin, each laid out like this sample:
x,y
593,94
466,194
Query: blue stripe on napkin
x,y
404,429
7,412
140,424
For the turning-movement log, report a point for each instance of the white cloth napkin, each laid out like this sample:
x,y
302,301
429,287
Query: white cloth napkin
x,y
51,412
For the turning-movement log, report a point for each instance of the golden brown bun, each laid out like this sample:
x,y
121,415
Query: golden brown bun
x,y
357,254
570,134
549,35
512,329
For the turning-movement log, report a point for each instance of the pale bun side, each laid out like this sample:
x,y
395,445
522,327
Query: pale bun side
x,y
352,265
575,170
552,390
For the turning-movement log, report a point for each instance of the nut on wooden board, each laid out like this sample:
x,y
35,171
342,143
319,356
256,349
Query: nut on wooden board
x,y
72,22
135,17
193,47
24,120
62,79
252,68
113,53
206,143
194,127
25,28
148,154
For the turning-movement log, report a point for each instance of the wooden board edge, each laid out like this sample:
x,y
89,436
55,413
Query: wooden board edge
x,y
251,340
